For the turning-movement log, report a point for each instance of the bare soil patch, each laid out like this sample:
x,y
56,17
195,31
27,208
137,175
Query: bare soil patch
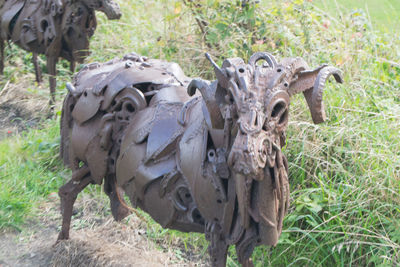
x,y
96,240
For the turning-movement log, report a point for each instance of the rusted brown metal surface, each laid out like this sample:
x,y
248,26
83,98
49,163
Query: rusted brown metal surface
x,y
55,28
198,156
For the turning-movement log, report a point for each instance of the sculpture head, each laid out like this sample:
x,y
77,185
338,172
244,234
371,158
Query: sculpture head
x,y
250,104
255,98
78,25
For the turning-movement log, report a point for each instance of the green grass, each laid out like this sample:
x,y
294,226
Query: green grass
x,y
384,14
29,171
344,174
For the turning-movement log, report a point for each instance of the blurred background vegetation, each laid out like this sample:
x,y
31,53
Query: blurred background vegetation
x,y
344,174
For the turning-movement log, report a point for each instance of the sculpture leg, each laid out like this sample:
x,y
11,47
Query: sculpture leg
x,y
68,194
218,250
72,66
51,68
247,263
119,208
1,56
245,247
37,68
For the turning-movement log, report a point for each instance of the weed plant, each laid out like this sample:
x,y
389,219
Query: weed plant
x,y
344,174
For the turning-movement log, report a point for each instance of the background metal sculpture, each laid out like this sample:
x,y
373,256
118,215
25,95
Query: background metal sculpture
x,y
209,162
55,28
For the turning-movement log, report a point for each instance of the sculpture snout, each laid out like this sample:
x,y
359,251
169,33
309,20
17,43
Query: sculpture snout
x,y
80,55
250,154
252,122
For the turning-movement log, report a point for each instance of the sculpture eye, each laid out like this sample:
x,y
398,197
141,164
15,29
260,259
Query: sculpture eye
x,y
43,25
278,109
280,113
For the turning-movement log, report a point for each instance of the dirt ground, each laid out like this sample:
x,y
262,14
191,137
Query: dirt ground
x,y
96,239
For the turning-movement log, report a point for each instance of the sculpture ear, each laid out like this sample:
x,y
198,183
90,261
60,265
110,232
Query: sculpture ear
x,y
72,90
212,113
222,77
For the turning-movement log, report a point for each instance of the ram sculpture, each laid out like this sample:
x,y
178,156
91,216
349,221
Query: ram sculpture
x,y
198,156
55,28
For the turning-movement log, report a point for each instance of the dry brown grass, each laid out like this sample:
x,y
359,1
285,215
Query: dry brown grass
x,y
112,244
96,240
22,106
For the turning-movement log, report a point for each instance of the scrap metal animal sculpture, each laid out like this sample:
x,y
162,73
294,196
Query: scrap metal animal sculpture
x,y
56,28
197,162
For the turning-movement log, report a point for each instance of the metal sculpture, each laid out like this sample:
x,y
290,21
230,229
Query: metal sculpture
x,y
55,28
196,162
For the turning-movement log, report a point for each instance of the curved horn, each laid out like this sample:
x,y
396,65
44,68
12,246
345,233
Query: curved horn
x,y
317,105
298,64
304,81
263,55
109,7
213,114
292,67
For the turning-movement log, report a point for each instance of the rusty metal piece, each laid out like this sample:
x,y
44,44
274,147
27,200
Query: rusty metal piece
x,y
210,162
55,28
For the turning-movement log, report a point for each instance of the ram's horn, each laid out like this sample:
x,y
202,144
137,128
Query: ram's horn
x,y
263,55
213,114
314,96
298,64
108,7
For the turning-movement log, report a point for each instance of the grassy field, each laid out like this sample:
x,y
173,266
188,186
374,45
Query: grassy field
x,y
344,174
383,14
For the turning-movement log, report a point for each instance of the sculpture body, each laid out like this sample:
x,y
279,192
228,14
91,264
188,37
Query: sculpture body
x,y
55,28
208,162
